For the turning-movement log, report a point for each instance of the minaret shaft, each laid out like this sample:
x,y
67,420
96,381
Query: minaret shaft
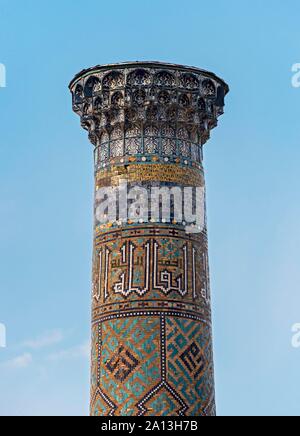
x,y
152,351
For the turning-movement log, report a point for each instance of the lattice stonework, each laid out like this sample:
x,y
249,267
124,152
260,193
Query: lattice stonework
x,y
151,317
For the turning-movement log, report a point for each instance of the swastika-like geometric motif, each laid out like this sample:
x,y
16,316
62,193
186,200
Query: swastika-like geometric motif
x,y
190,363
193,359
152,352
141,367
122,364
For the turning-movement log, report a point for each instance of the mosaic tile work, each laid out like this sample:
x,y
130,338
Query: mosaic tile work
x,y
158,144
152,347
148,266
153,365
152,352
143,173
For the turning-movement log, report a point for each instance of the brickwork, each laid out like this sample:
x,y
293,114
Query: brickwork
x,y
151,316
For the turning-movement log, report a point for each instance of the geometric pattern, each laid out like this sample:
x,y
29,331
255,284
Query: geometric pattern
x,y
103,406
163,399
152,342
122,364
151,317
132,333
152,352
163,368
190,363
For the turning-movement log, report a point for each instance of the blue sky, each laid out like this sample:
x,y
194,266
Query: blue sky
x,y
46,188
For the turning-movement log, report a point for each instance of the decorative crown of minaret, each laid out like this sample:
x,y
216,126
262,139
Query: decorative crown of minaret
x,y
116,100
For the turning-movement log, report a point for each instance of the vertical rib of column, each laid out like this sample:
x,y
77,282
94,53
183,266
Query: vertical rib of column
x,y
151,315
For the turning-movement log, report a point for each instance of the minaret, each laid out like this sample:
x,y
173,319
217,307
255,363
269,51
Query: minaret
x,y
152,352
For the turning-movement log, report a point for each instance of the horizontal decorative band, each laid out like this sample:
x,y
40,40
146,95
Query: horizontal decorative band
x,y
151,313
145,173
107,309
168,147
143,159
149,231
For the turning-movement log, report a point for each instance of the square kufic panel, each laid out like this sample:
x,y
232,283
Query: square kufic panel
x,y
189,362
130,360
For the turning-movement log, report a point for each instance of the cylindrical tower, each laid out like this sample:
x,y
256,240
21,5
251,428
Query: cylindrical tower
x,y
151,316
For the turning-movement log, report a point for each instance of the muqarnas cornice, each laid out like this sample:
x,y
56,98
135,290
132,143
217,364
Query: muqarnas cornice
x,y
124,100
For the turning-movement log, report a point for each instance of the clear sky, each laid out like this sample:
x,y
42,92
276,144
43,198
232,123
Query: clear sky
x,y
46,188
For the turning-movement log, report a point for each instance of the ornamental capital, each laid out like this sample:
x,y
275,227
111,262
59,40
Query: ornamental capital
x,y
125,99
